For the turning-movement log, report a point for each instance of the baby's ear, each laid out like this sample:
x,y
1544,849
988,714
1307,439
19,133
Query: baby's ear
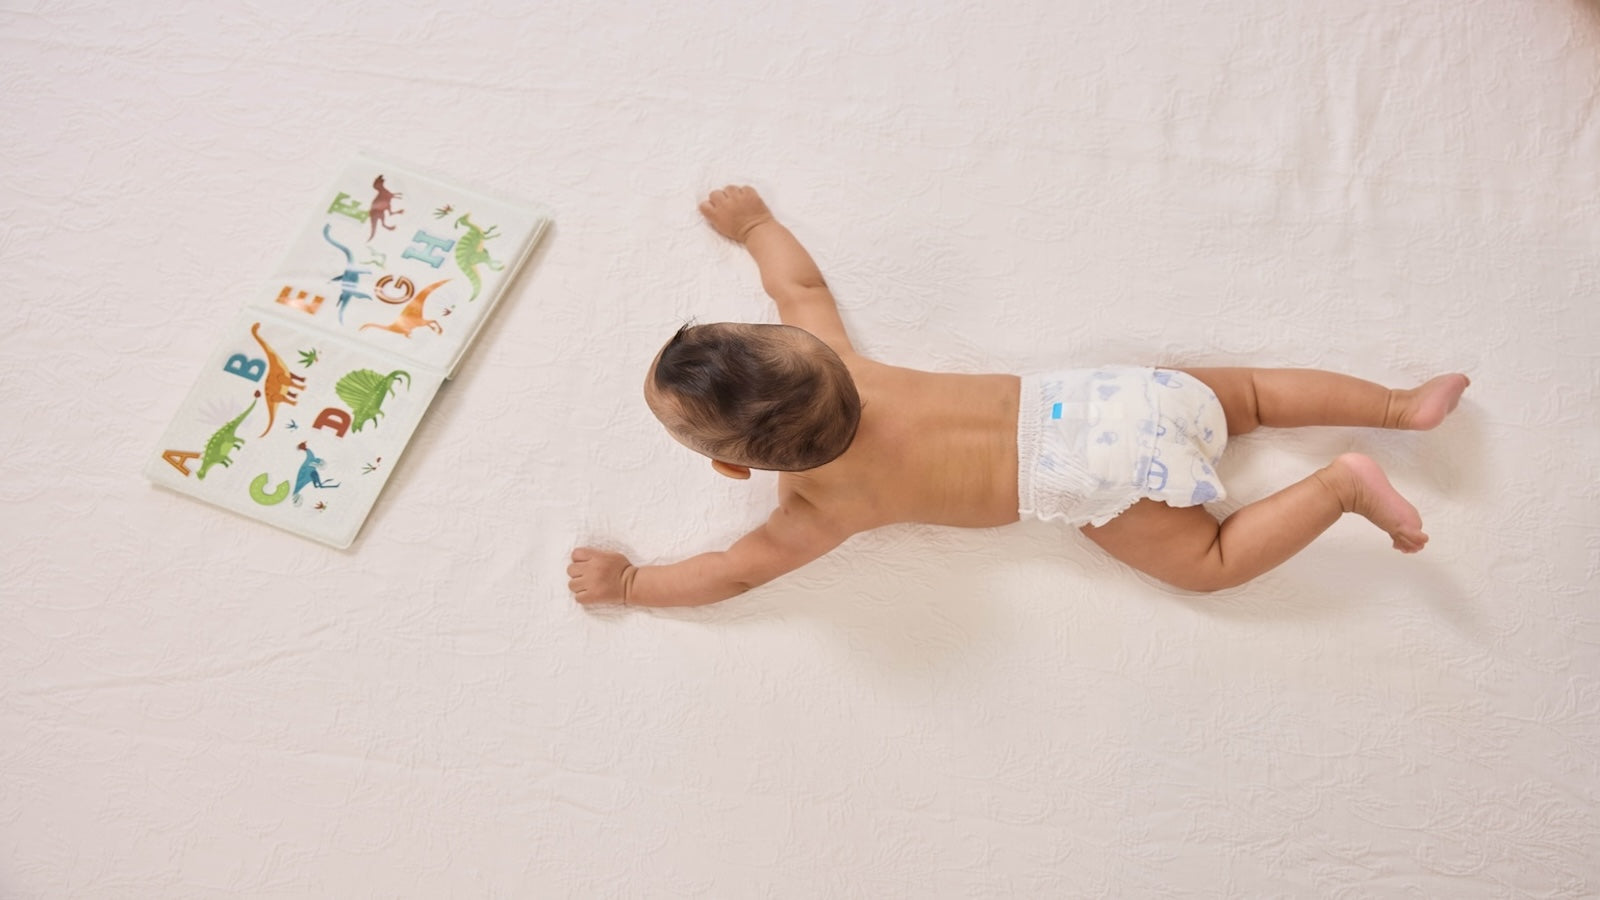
x,y
729,470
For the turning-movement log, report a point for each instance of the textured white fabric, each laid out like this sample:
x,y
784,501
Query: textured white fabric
x,y
193,705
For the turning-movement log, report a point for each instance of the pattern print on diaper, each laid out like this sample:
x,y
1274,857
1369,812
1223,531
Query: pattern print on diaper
x,y
1156,478
1189,443
1111,436
1047,460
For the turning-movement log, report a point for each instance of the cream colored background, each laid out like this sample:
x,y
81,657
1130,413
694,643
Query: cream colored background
x,y
193,705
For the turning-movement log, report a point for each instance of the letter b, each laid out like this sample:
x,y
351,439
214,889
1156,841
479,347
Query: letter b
x,y
245,367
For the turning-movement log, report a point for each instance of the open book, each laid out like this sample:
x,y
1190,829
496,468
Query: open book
x,y
305,406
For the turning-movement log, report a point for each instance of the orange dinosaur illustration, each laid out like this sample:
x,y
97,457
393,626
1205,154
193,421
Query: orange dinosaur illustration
x,y
281,385
411,316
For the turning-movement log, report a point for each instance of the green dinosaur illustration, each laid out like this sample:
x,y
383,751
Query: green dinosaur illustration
x,y
365,390
470,253
224,442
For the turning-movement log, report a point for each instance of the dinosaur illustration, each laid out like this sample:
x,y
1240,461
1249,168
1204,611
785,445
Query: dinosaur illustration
x,y
411,316
470,253
380,209
281,385
224,442
351,279
365,390
308,474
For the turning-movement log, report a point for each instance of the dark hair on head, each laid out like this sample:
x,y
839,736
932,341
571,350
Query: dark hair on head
x,y
765,396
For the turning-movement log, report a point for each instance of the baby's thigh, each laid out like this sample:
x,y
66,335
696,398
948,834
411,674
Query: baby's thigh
x,y
1177,546
1236,391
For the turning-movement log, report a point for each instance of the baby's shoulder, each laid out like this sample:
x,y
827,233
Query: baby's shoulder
x,y
839,505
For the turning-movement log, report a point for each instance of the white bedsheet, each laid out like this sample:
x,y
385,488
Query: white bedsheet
x,y
193,705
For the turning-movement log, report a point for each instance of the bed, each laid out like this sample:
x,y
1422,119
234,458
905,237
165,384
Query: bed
x,y
194,705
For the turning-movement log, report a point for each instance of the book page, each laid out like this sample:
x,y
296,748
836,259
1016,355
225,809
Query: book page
x,y
290,426
402,262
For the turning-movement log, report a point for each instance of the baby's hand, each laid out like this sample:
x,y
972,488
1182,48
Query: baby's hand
x,y
599,576
734,210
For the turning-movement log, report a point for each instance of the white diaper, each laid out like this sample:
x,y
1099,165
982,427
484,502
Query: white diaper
x,y
1093,442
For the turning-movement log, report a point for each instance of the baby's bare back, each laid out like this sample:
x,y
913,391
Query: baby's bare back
x,y
932,447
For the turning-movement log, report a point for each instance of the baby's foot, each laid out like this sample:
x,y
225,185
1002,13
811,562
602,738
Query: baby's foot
x,y
1425,406
1367,491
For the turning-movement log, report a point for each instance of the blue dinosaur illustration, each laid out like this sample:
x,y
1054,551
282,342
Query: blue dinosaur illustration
x,y
351,278
308,474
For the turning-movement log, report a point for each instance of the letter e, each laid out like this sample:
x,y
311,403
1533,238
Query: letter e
x,y
346,205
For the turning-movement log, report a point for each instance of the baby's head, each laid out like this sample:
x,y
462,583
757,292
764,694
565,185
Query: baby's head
x,y
755,396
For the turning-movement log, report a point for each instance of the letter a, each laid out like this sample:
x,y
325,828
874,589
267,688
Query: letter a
x,y
429,249
179,459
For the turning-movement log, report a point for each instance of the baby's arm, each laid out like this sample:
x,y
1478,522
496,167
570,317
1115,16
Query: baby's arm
x,y
792,537
788,273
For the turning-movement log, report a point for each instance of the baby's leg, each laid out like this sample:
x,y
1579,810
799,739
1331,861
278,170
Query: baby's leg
x,y
1287,398
1189,549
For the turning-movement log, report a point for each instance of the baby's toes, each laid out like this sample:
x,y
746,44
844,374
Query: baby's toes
x,y
1410,542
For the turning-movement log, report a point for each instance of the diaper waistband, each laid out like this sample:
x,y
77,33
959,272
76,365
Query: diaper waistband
x,y
1028,428
1063,471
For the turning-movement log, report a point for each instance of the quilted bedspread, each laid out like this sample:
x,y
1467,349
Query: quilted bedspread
x,y
195,705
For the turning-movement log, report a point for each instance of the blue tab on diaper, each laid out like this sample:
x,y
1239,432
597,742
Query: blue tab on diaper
x,y
1055,411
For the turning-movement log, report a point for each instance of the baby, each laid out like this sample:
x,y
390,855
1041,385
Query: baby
x,y
1127,454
